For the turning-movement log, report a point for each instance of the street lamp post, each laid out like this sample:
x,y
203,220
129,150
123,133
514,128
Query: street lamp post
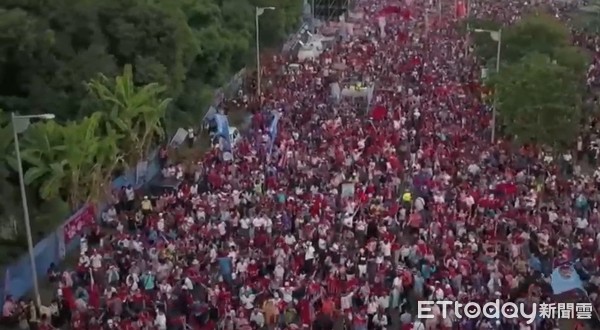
x,y
497,37
259,11
19,125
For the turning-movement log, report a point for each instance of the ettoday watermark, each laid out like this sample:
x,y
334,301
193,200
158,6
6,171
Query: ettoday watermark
x,y
491,310
506,310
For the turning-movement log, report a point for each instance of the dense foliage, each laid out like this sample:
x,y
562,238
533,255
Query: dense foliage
x,y
49,48
117,74
540,85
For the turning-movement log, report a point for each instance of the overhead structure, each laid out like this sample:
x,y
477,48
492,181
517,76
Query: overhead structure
x,y
331,10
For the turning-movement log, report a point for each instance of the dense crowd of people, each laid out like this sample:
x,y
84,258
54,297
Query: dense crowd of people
x,y
350,218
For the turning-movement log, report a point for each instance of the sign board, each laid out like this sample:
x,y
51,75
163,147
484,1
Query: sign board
x,y
347,189
179,137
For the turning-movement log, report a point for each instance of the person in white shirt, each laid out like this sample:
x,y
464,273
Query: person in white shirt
x,y
380,321
258,318
165,288
84,260
386,249
160,322
290,240
309,256
96,260
132,281
581,224
83,244
187,284
258,222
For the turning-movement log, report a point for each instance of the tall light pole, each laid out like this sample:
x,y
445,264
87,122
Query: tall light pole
x,y
19,125
259,11
497,37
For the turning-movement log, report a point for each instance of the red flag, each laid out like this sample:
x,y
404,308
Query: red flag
x,y
461,9
379,113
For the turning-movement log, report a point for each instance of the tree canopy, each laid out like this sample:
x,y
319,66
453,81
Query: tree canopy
x,y
539,88
50,48
118,74
539,101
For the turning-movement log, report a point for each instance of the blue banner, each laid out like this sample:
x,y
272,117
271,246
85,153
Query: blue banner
x,y
565,278
225,268
273,132
223,132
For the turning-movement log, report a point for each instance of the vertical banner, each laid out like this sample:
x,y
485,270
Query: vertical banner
x,y
225,269
273,131
223,132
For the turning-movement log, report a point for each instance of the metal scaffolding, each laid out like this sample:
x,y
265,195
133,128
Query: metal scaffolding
x,y
330,10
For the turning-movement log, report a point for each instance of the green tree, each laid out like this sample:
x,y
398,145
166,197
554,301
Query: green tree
x,y
539,101
135,114
66,57
42,152
536,33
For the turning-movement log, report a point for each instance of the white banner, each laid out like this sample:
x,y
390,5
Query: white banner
x,y
347,190
179,137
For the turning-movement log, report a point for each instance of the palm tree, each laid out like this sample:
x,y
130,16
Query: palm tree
x,y
73,162
134,113
43,155
93,174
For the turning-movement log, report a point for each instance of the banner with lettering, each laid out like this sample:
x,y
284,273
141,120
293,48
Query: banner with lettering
x,y
76,225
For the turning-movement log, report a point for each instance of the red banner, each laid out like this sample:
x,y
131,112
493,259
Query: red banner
x,y
78,222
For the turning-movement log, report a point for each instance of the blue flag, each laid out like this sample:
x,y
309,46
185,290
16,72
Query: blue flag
x,y
223,132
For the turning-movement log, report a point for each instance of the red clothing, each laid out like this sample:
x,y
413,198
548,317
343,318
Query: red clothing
x,y
304,311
